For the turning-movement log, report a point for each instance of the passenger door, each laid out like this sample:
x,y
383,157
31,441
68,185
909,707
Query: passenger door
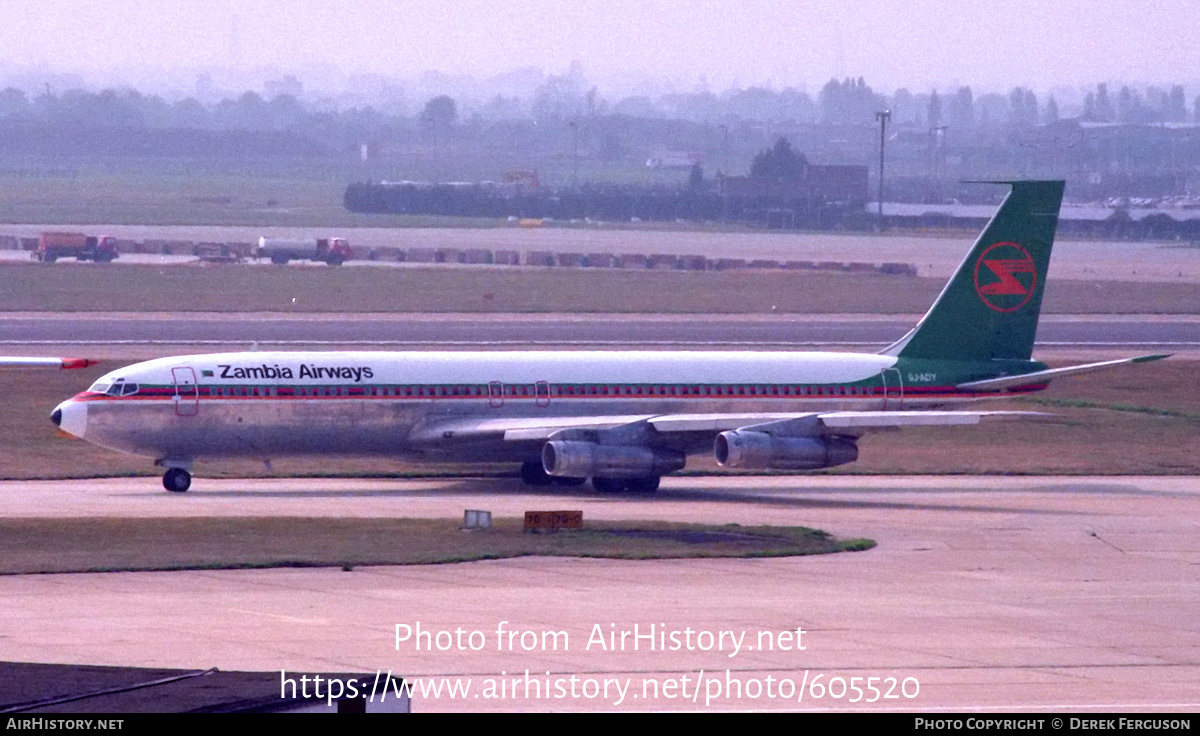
x,y
187,392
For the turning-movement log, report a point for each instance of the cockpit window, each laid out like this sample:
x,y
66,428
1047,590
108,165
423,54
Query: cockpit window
x,y
116,388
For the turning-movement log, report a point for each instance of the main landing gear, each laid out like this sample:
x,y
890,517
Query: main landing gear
x,y
534,474
177,480
645,485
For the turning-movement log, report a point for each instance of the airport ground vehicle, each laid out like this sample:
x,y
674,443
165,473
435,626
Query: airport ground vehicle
x,y
333,251
621,418
52,246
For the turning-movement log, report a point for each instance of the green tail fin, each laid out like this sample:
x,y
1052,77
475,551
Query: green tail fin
x,y
989,309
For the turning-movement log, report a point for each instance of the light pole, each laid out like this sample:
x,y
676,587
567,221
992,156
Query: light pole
x,y
435,166
724,173
725,150
937,141
883,117
574,153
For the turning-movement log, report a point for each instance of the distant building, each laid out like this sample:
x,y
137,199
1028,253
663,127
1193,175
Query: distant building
x,y
674,159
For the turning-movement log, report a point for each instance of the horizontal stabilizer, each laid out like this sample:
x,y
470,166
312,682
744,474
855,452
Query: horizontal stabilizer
x,y
1040,377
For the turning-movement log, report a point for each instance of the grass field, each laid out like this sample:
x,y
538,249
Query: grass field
x,y
275,193
104,545
273,190
180,193
179,288
1137,420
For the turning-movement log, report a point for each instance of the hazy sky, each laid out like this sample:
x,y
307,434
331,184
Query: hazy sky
x,y
915,43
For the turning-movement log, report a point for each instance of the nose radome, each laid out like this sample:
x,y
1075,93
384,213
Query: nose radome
x,y
71,417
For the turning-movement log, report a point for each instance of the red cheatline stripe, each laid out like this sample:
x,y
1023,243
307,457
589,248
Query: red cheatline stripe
x,y
289,393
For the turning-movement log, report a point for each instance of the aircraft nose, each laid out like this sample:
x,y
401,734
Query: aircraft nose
x,y
71,417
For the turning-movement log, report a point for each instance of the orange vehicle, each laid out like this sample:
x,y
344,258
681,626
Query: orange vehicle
x,y
52,246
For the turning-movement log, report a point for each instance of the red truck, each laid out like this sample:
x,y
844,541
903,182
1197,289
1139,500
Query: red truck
x,y
52,246
333,251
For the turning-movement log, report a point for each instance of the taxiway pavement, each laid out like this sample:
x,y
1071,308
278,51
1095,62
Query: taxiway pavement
x,y
989,593
507,331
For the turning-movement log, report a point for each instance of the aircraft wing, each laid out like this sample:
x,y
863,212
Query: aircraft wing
x,y
781,423
1041,377
66,363
515,428
827,423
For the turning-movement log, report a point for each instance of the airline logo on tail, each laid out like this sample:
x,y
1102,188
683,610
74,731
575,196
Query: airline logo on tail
x,y
1005,277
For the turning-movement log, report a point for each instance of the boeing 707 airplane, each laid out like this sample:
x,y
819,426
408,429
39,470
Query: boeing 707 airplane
x,y
622,419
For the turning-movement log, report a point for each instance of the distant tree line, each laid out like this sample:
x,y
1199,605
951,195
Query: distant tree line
x,y
846,101
604,202
777,192
937,137
595,201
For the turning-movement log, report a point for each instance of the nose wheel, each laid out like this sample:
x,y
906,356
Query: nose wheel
x,y
177,480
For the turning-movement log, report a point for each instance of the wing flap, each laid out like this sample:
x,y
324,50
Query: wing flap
x,y
888,419
718,422
514,428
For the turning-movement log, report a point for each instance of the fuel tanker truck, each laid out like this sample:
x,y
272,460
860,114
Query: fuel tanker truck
x,y
52,246
333,251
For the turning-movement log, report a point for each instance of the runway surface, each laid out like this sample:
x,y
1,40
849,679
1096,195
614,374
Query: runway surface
x,y
236,331
989,593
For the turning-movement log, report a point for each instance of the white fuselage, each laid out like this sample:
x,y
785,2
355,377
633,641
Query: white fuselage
x,y
274,404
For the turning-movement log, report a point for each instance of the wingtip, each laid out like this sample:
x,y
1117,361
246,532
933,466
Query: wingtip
x,y
73,363
1151,358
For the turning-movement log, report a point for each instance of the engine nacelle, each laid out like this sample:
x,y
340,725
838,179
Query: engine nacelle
x,y
567,459
759,450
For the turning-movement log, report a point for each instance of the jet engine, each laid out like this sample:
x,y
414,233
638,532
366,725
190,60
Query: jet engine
x,y
757,450
568,459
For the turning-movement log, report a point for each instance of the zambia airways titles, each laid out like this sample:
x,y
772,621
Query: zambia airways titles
x,y
317,372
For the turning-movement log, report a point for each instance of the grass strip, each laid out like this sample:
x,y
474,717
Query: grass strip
x,y
1082,404
73,545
